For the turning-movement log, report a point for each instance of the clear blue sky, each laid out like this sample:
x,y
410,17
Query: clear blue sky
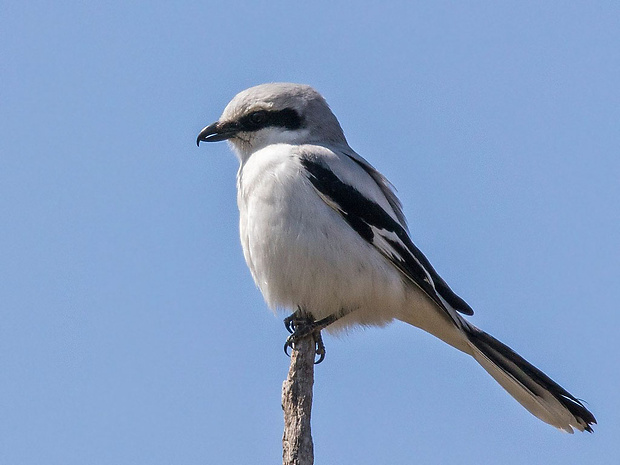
x,y
130,329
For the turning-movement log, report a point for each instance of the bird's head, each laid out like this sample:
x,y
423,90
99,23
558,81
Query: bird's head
x,y
273,114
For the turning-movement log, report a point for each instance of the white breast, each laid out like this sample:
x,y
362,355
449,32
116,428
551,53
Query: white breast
x,y
301,252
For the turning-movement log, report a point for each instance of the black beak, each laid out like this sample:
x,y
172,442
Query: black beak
x,y
216,132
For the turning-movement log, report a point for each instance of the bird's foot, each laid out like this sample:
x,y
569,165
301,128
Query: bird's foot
x,y
290,321
301,326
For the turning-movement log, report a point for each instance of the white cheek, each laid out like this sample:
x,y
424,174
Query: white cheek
x,y
274,135
249,142
283,136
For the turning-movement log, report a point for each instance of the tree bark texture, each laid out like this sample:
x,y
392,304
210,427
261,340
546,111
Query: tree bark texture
x,y
297,447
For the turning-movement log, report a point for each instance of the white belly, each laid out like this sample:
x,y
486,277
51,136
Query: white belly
x,y
302,253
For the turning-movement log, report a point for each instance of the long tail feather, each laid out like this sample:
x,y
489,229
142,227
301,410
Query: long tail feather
x,y
532,388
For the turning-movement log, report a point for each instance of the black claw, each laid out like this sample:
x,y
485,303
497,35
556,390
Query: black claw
x,y
291,321
319,347
300,326
289,324
288,345
321,358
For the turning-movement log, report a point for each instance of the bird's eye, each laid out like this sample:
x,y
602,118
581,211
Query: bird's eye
x,y
257,118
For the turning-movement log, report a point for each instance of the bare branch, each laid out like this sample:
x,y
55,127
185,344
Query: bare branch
x,y
297,447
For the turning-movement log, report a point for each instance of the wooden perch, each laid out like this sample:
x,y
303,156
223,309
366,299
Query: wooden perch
x,y
297,447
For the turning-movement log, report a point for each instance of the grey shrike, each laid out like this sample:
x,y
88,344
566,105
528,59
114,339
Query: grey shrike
x,y
323,233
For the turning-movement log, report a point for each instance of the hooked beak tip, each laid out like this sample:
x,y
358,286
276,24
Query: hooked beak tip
x,y
216,132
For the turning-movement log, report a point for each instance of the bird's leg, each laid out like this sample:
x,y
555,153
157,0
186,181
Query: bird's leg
x,y
301,325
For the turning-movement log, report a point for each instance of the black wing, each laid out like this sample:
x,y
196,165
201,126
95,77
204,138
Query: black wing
x,y
378,228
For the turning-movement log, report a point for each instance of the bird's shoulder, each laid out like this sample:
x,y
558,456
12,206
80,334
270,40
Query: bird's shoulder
x,y
353,170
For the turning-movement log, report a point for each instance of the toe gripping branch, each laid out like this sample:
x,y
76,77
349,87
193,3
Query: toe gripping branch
x,y
301,325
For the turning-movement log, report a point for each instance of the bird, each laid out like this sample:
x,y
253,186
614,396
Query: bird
x,y
324,234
